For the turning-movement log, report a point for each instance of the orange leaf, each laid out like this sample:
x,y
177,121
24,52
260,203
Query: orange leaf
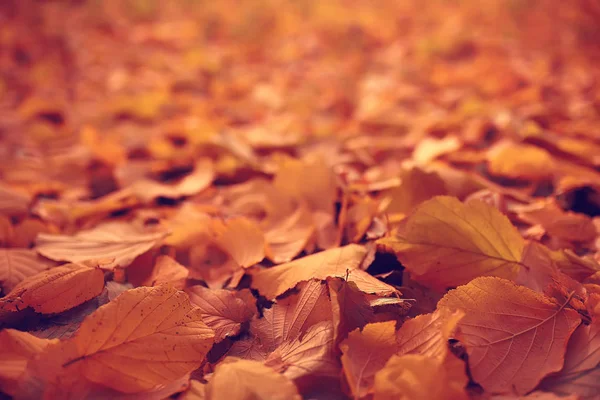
x,y
243,240
167,271
520,161
288,236
581,372
428,334
336,262
16,349
18,264
351,308
201,178
113,240
311,354
445,243
513,335
416,187
415,376
55,290
236,379
143,338
13,202
365,352
222,310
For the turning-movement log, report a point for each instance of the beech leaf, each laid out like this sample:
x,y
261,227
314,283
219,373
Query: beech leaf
x,y
513,335
18,264
445,243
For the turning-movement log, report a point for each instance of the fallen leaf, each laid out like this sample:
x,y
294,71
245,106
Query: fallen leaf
x,y
55,290
16,349
445,243
112,348
287,237
416,187
351,308
581,372
12,201
502,323
274,281
366,352
18,264
222,310
428,334
166,271
415,376
243,241
238,379
520,161
113,240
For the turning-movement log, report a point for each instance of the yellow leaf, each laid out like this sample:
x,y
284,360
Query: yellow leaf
x,y
523,161
445,243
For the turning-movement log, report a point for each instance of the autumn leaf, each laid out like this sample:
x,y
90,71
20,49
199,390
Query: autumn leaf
x,y
222,310
416,186
143,338
55,290
351,308
287,237
166,271
520,161
366,352
238,379
445,243
428,334
337,262
502,323
114,240
18,264
580,373
12,201
414,376
243,241
16,349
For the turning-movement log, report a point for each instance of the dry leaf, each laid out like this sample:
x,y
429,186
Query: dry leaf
x,y
445,243
222,310
143,338
238,379
520,161
365,352
418,377
273,282
243,241
166,271
18,264
118,241
16,349
55,290
513,335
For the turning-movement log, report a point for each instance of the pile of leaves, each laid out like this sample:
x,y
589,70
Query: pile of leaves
x,y
299,199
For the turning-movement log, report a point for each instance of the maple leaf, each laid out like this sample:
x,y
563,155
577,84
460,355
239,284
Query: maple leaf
x,y
16,349
365,352
143,338
222,310
445,243
253,381
55,290
502,323
18,264
118,241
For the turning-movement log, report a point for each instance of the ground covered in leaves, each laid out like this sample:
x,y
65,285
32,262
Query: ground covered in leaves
x,y
299,199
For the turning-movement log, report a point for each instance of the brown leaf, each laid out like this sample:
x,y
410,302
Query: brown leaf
x,y
18,264
243,241
55,290
224,311
238,379
513,335
445,243
118,241
365,352
16,349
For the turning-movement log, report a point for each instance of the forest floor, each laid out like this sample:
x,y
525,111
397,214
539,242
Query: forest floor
x,y
285,199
